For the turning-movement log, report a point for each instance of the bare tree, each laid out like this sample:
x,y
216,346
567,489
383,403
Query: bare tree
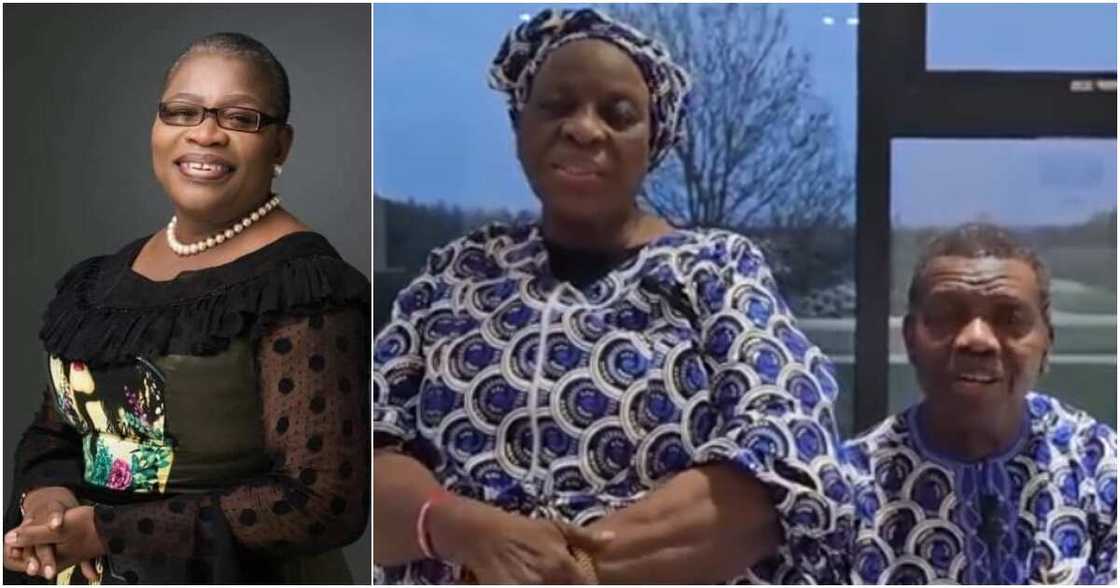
x,y
760,148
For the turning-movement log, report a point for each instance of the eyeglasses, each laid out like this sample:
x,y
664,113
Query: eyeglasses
x,y
233,118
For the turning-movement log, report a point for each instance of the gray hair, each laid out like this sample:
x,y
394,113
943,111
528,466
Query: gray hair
x,y
976,240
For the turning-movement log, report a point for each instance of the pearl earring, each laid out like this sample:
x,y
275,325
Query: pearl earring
x,y
277,169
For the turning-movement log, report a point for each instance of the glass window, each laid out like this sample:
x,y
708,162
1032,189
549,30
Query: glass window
x,y
1021,37
444,152
1058,196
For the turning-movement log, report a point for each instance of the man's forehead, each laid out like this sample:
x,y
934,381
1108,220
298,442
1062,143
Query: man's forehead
x,y
987,274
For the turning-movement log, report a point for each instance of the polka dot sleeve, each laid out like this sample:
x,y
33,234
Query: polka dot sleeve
x,y
314,384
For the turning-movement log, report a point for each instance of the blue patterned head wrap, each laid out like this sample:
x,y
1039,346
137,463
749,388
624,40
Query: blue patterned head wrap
x,y
527,46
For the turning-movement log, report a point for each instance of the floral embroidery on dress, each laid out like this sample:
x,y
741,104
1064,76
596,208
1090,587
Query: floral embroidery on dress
x,y
122,420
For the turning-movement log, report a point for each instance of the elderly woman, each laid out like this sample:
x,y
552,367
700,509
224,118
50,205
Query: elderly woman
x,y
202,419
600,396
985,481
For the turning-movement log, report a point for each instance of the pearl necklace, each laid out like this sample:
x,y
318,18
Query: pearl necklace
x,y
221,236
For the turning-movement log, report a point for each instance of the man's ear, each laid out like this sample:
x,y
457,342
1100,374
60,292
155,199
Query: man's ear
x,y
908,335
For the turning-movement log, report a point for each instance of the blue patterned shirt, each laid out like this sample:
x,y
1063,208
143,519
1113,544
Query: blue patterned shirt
x,y
1044,511
683,355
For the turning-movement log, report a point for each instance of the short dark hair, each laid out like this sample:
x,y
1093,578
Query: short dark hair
x,y
245,47
976,240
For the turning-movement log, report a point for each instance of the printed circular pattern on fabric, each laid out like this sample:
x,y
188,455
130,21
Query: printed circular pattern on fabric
x,y
937,543
872,558
534,292
628,316
1069,485
754,303
802,386
395,341
1042,561
910,570
1068,531
687,375
417,296
684,261
810,511
929,487
1106,483
810,439
490,399
467,357
509,320
700,421
618,360
764,354
436,402
824,371
603,291
519,359
561,356
605,452
1019,472
1092,450
721,332
440,259
628,485
660,454
791,338
646,406
898,519
577,403
486,470
731,384
472,264
514,441
891,474
484,299
1039,499
522,255
458,436
766,400
567,478
1039,449
399,379
834,484
766,439
584,328
867,502
711,291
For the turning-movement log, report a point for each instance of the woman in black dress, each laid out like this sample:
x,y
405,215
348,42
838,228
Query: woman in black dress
x,y
205,413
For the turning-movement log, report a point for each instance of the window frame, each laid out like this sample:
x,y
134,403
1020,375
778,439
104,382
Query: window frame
x,y
899,98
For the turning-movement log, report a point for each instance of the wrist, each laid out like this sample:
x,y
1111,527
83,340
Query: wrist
x,y
445,524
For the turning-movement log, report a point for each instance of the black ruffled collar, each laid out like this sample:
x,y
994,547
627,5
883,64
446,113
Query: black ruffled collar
x,y
104,312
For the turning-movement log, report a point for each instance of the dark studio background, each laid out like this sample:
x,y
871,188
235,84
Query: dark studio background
x,y
82,85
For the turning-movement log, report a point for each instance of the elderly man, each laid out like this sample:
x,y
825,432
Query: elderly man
x,y
984,481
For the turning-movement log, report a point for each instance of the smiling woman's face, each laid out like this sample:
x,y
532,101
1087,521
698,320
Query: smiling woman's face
x,y
211,173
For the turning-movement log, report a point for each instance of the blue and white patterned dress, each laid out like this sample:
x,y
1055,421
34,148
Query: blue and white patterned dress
x,y
683,355
1044,511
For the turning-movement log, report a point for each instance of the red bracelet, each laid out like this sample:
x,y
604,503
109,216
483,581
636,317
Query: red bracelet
x,y
422,537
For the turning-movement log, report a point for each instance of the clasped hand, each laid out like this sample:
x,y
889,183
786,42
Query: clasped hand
x,y
504,548
56,533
